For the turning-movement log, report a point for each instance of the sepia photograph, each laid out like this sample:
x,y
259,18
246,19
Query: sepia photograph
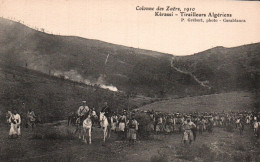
x,y
129,81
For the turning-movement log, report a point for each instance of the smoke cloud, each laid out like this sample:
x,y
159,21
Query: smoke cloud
x,y
75,76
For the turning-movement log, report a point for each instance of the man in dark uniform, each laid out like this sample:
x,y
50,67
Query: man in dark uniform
x,y
106,109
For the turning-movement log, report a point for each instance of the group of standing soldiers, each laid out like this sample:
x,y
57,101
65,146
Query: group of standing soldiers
x,y
124,125
187,123
190,123
15,121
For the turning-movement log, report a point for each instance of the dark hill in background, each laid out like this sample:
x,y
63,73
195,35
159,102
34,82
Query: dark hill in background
x,y
225,69
129,69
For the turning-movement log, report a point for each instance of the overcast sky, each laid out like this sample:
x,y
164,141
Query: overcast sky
x,y
117,21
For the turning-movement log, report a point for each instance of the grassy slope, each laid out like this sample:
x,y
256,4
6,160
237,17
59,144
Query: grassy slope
x,y
127,68
233,101
50,97
225,68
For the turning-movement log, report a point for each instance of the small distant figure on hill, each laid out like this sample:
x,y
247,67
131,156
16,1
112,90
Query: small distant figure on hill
x,y
15,122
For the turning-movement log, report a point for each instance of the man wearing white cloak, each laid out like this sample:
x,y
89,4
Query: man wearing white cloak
x,y
15,121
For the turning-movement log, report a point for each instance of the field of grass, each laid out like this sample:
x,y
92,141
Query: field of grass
x,y
233,101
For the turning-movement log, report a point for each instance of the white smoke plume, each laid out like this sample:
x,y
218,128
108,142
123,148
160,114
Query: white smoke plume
x,y
75,76
109,87
102,83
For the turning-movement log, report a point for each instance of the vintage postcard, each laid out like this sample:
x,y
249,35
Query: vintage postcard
x,y
132,80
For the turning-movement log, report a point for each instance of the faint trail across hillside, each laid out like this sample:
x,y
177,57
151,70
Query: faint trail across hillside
x,y
190,74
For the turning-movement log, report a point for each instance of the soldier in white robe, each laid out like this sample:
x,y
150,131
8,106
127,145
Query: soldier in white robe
x,y
17,117
15,122
13,129
188,134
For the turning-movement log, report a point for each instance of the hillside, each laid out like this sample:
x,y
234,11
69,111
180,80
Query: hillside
x,y
232,101
225,69
50,97
129,69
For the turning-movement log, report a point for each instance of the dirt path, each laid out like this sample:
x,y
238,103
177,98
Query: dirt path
x,y
190,74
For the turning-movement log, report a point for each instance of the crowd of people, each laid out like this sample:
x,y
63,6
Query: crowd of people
x,y
191,123
126,125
